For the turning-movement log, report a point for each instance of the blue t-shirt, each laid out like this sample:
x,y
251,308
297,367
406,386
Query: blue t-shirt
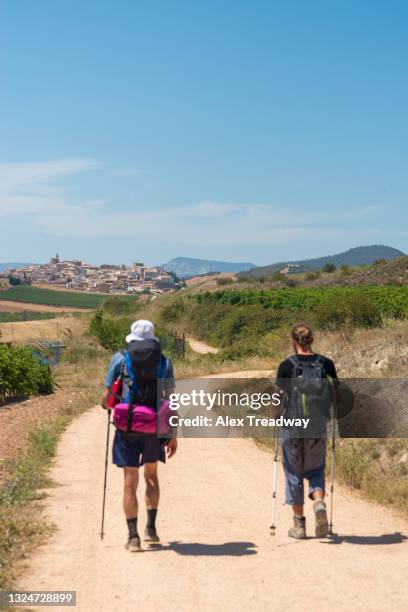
x,y
117,361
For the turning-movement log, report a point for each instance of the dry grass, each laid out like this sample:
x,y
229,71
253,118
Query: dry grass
x,y
378,468
45,329
373,353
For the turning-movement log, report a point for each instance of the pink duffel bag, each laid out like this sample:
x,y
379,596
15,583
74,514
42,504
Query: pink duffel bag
x,y
145,419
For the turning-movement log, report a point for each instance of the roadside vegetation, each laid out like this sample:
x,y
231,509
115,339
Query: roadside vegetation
x,y
24,471
21,374
22,523
390,300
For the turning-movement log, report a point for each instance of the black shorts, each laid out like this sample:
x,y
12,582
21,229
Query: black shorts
x,y
134,451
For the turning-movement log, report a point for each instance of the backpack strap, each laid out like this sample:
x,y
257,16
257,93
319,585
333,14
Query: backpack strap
x,y
163,367
132,390
122,366
319,360
297,365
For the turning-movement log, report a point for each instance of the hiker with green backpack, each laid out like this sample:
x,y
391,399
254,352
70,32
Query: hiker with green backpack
x,y
138,384
308,381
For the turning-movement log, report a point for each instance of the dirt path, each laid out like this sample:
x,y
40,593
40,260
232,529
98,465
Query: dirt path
x,y
216,551
200,347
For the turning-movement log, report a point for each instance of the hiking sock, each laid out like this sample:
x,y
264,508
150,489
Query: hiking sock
x,y
132,527
151,518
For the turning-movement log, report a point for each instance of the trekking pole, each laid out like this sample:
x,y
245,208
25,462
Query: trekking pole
x,y
105,476
333,446
275,475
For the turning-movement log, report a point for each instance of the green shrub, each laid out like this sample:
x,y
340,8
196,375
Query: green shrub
x,y
21,373
224,281
121,305
345,270
240,351
222,325
351,310
173,312
277,276
329,267
110,333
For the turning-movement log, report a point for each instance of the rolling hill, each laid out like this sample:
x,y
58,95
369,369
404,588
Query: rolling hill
x,y
186,267
358,256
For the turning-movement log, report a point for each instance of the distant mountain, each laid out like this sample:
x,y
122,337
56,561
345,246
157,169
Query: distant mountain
x,y
358,256
186,267
12,265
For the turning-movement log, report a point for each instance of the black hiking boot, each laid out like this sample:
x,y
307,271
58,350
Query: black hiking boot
x,y
298,530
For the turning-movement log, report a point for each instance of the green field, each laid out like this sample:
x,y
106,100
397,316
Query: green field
x,y
49,297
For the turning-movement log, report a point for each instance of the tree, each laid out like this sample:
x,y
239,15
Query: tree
x,y
13,280
329,267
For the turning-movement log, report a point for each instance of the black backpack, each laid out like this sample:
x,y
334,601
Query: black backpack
x,y
143,367
311,391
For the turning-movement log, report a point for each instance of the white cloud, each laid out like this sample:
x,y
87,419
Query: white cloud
x,y
32,191
30,188
209,224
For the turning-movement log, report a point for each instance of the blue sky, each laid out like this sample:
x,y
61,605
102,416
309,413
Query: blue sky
x,y
247,131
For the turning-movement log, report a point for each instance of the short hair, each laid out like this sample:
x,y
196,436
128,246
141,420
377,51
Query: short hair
x,y
302,335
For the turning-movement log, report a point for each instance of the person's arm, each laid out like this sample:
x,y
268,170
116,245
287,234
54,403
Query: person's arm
x,y
331,373
284,375
111,375
331,368
283,383
171,447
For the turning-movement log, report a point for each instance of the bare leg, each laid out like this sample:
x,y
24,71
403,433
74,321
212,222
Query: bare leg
x,y
318,494
131,479
319,507
298,510
152,486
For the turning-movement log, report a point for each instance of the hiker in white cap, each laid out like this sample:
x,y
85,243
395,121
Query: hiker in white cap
x,y
145,375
